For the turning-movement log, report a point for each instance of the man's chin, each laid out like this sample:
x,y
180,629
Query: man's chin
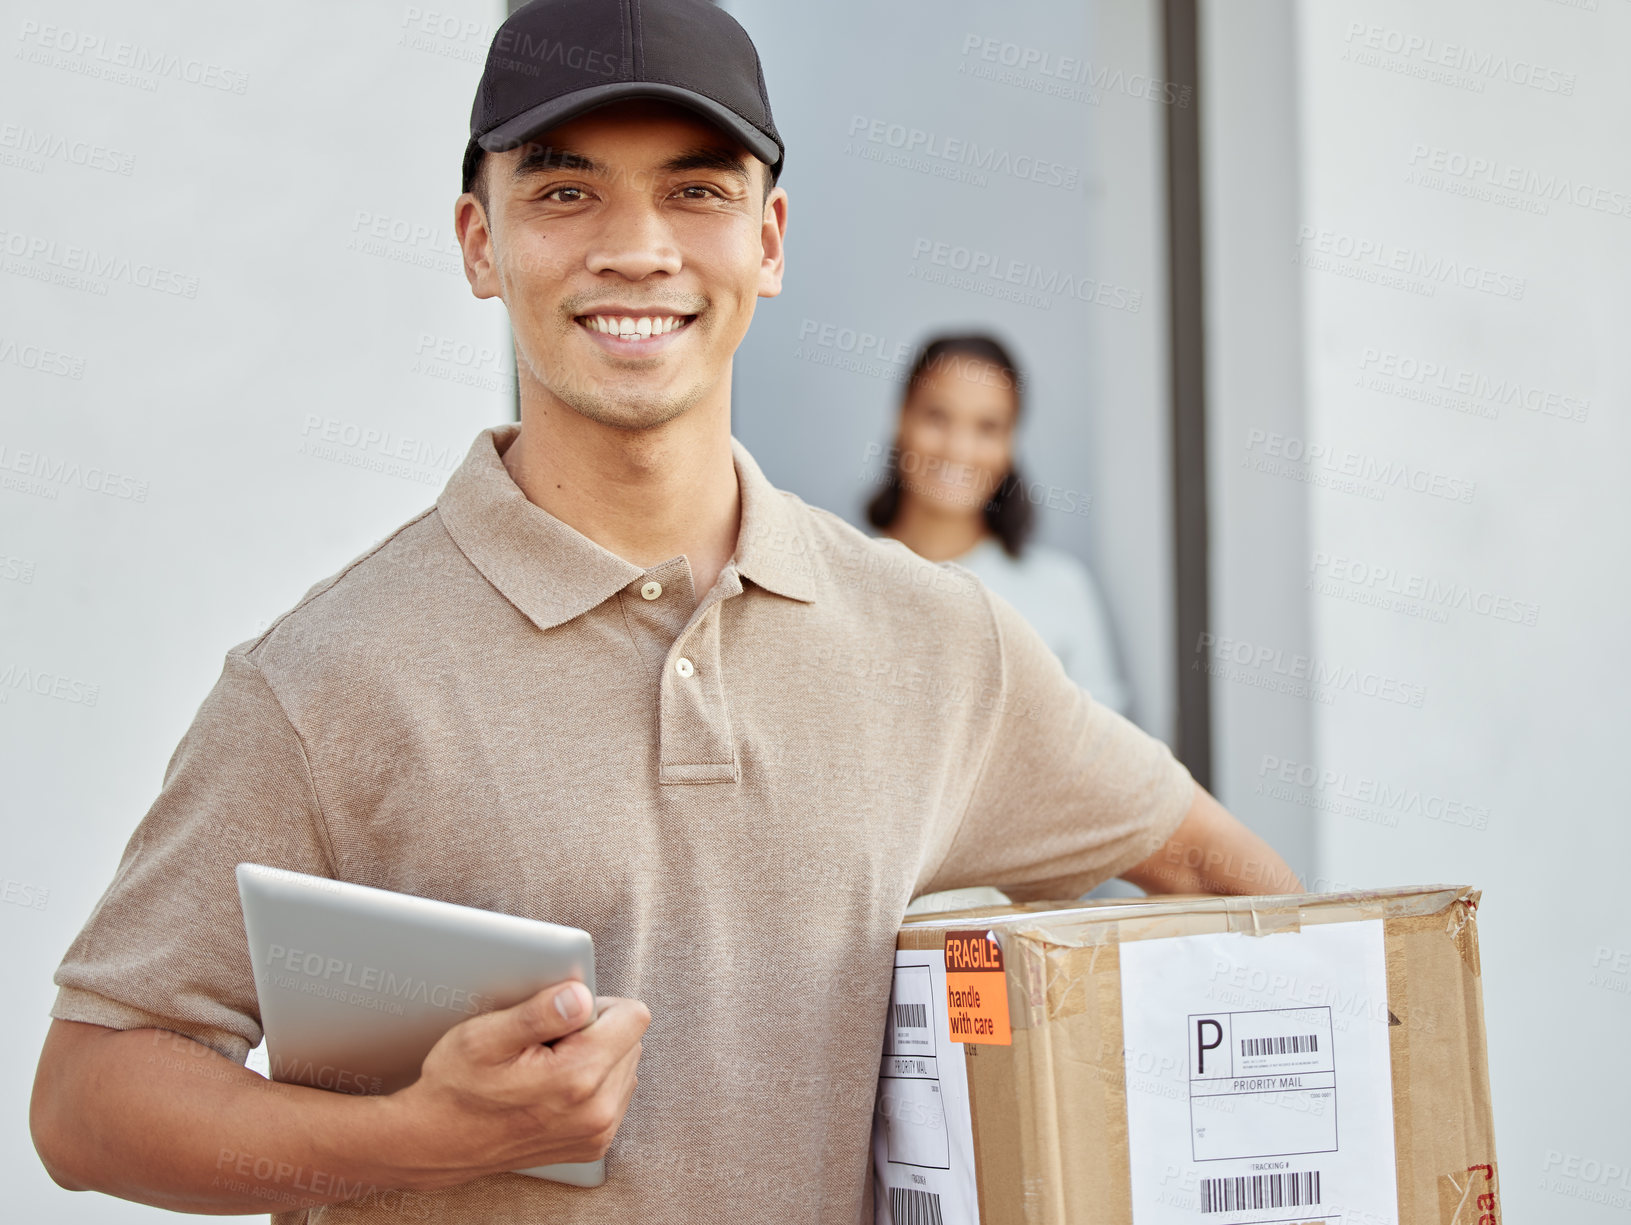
x,y
627,409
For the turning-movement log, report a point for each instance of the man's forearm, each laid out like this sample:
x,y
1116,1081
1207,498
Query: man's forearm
x,y
1212,852
151,1116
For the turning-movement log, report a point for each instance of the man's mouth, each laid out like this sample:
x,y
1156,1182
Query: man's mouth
x,y
634,328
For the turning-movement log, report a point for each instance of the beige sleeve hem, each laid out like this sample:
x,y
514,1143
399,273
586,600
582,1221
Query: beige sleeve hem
x,y
1063,888
77,1004
1183,798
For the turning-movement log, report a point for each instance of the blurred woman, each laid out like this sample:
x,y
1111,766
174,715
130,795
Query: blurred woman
x,y
952,492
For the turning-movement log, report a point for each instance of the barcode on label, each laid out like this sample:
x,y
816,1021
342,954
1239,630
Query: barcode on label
x,y
1297,1045
912,1016
1260,1191
908,1205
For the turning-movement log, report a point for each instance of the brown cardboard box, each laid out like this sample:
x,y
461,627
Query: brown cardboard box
x,y
1068,1121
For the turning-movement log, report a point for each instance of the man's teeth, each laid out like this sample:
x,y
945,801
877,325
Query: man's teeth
x,y
627,326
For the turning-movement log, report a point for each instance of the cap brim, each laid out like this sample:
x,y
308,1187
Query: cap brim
x,y
546,115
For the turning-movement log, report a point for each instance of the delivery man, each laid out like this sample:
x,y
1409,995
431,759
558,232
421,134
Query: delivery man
x,y
613,678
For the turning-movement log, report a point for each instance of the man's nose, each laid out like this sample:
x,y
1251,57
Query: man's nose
x,y
634,241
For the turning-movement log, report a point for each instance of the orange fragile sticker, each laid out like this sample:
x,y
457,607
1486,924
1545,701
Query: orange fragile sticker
x,y
976,989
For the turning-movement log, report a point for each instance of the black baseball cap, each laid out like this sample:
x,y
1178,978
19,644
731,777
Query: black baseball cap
x,y
552,60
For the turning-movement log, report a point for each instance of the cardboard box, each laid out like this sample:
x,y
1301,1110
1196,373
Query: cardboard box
x,y
1315,1058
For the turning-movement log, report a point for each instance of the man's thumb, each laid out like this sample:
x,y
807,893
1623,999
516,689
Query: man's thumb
x,y
552,1013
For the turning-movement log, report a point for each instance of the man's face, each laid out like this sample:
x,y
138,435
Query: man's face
x,y
636,211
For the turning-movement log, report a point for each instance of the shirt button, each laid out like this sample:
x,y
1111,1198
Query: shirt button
x,y
652,590
683,666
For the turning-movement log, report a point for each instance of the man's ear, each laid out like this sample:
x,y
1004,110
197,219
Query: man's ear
x,y
474,231
773,235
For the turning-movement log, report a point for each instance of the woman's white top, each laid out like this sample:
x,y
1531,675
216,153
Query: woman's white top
x,y
1056,594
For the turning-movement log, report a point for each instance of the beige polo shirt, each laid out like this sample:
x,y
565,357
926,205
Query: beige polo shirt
x,y
737,796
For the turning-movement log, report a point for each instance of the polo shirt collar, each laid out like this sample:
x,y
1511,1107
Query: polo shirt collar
x,y
552,572
775,544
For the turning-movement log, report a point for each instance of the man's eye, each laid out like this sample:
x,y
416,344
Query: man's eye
x,y
708,191
572,194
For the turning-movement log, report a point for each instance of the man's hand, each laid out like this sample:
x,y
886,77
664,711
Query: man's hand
x,y
155,1117
492,1097
1212,852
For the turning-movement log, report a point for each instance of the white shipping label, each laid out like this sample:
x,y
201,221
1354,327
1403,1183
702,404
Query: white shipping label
x,y
1259,1081
923,1133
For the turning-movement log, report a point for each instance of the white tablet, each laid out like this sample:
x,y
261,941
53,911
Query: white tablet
x,y
356,984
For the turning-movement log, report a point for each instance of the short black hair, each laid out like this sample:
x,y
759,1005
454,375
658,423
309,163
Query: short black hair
x,y
475,176
1008,515
475,159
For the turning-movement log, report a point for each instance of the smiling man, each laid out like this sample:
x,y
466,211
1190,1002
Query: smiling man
x,y
613,678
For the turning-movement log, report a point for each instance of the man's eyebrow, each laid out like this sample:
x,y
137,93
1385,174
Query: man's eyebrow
x,y
542,158
538,158
707,157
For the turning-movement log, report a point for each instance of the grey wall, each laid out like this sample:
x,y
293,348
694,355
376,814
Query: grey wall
x,y
1518,746
817,381
277,359
1421,281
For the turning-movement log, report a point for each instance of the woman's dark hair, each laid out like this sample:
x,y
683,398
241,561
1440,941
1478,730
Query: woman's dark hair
x,y
1008,514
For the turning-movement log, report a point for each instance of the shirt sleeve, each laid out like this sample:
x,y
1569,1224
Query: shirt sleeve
x,y
1068,793
165,946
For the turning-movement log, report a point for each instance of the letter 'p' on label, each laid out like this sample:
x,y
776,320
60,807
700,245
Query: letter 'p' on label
x,y
976,989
